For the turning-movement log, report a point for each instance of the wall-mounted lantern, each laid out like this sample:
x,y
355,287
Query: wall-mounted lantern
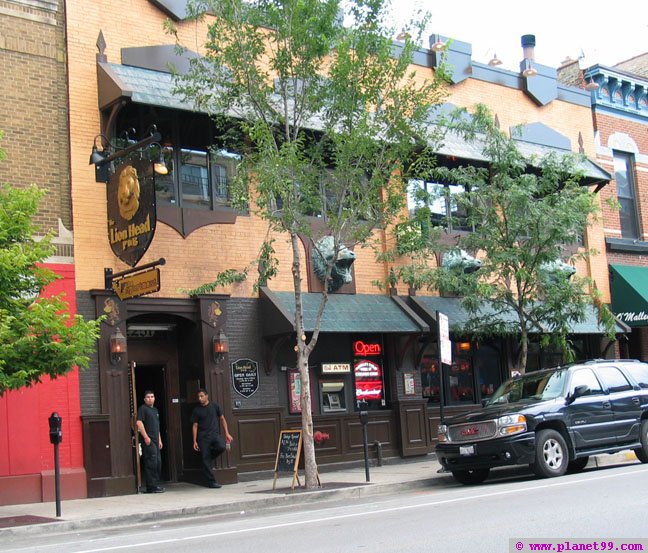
x,y
117,346
220,346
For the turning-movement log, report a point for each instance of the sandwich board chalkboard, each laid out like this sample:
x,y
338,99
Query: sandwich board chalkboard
x,y
288,453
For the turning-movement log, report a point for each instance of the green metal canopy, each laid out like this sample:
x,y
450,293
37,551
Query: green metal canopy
x,y
458,316
629,287
345,313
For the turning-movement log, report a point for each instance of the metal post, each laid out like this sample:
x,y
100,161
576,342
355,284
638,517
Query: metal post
x,y
56,435
441,380
364,420
57,479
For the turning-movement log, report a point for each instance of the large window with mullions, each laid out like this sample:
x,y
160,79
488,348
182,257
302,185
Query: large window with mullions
x,y
444,202
200,165
626,194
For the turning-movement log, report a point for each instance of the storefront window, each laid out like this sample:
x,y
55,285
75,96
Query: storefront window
x,y
368,372
539,357
461,382
430,378
474,375
486,363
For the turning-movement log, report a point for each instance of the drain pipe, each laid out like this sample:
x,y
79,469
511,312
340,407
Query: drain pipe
x,y
379,452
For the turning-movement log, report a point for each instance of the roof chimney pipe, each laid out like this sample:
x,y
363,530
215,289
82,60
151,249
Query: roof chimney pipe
x,y
528,46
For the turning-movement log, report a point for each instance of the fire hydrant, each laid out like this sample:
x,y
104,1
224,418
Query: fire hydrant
x,y
320,437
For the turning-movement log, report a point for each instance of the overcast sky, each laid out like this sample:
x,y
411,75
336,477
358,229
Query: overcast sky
x,y
600,33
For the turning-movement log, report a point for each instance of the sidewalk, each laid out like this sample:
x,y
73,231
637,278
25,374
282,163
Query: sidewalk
x,y
184,499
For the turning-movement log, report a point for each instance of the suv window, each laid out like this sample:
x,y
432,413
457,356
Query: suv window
x,y
640,373
587,378
614,380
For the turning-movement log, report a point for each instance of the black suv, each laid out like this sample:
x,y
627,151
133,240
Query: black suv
x,y
552,420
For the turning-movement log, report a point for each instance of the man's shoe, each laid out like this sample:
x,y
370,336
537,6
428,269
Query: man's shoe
x,y
157,489
214,485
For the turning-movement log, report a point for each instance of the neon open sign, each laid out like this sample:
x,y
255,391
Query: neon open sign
x,y
362,349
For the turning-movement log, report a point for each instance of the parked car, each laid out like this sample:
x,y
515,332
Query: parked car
x,y
552,420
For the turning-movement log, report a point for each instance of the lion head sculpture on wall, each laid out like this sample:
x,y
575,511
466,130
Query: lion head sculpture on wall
x,y
322,255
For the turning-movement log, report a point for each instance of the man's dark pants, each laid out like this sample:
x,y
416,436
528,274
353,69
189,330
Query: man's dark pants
x,y
210,448
151,464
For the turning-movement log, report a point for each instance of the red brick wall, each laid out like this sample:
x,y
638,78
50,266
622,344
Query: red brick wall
x,y
627,136
25,450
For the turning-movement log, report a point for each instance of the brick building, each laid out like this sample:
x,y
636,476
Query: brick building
x,y
33,116
620,115
117,62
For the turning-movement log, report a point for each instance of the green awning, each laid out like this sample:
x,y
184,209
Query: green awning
x,y
344,313
629,287
458,316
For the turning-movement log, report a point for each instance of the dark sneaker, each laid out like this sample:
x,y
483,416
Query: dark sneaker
x,y
214,485
157,489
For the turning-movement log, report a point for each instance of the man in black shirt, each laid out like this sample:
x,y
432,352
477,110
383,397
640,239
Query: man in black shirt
x,y
148,425
207,419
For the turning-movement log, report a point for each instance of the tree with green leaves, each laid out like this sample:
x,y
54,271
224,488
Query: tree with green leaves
x,y
329,116
38,336
527,219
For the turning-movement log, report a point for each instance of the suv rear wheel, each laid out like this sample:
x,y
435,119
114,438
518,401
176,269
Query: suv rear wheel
x,y
551,457
642,452
471,476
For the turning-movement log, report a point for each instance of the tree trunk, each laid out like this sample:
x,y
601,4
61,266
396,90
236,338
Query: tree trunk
x,y
521,361
303,353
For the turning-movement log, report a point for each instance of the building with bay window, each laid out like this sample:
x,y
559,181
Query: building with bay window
x,y
620,115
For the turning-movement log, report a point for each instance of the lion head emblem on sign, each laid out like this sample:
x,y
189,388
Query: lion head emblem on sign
x,y
128,193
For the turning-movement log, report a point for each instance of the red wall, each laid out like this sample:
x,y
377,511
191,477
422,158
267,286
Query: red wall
x,y
26,454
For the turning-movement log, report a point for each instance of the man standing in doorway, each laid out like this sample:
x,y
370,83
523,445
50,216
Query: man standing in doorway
x,y
207,419
148,425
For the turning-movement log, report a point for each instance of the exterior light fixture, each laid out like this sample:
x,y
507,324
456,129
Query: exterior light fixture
x,y
160,166
591,85
117,346
529,70
102,160
220,346
437,46
463,346
495,61
403,36
97,156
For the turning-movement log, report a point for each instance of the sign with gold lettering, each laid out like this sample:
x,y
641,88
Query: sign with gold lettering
x,y
131,210
137,284
245,376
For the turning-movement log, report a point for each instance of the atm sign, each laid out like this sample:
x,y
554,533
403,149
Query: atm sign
x,y
362,349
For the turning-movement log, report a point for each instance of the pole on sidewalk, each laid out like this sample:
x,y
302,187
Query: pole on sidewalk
x,y
56,436
364,420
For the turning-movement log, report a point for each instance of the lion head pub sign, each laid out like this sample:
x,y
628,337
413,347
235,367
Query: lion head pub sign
x,y
131,209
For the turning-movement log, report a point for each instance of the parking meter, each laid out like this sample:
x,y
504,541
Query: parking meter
x,y
56,436
55,432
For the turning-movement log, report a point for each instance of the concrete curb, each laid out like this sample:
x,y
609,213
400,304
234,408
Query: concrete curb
x,y
355,491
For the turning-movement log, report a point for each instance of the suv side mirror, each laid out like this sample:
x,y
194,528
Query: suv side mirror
x,y
579,391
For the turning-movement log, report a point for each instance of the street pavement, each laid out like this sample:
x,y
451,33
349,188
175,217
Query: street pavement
x,y
188,500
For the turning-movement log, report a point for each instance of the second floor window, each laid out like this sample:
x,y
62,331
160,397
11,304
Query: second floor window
x,y
444,201
200,171
626,194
